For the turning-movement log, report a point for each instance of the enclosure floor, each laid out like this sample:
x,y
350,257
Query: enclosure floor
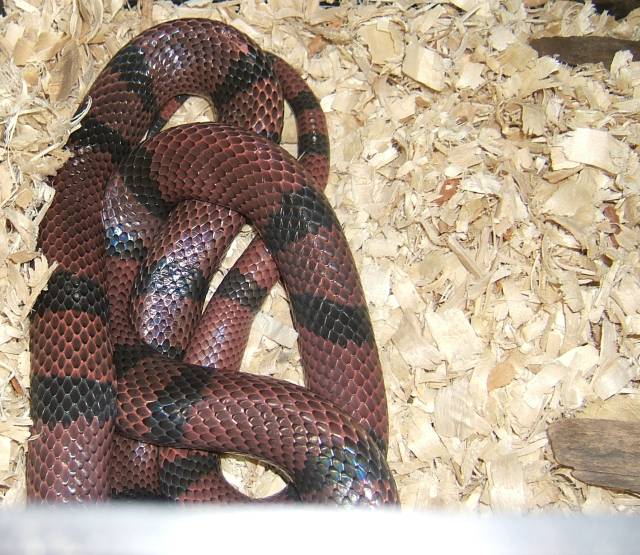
x,y
490,198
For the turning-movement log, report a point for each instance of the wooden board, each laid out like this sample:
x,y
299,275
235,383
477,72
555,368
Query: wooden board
x,y
604,453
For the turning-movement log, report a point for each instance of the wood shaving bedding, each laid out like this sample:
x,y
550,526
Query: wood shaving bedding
x,y
490,196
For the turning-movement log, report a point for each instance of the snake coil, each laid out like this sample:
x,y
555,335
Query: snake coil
x,y
133,390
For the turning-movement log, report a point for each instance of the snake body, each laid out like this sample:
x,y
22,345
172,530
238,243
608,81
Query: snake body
x,y
132,393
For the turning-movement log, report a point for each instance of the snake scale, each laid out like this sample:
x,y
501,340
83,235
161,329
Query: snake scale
x,y
135,391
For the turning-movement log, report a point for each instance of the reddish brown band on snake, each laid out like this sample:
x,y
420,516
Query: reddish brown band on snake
x,y
93,378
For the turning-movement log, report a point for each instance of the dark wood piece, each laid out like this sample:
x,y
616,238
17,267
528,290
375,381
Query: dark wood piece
x,y
603,453
616,8
584,50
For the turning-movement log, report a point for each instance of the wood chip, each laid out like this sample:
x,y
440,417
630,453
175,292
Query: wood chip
x,y
424,66
590,146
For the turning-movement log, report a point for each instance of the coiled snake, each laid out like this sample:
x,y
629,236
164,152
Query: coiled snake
x,y
133,392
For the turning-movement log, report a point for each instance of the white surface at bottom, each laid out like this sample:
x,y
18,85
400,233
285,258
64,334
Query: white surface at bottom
x,y
150,529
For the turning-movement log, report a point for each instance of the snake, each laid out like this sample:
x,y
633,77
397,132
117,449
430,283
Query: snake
x,y
135,391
